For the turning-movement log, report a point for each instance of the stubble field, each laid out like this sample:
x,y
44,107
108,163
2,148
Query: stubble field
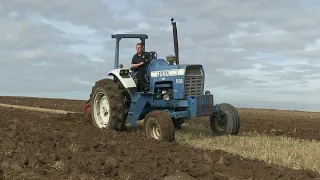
x,y
39,143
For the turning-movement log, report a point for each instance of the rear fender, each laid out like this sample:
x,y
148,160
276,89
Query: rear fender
x,y
127,82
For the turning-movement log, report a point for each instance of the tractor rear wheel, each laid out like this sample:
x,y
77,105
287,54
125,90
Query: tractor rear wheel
x,y
230,121
158,125
107,106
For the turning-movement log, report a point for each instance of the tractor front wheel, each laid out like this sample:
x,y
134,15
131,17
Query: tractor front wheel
x,y
229,124
158,125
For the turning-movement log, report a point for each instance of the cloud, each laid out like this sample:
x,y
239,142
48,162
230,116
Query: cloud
x,y
255,53
19,33
92,13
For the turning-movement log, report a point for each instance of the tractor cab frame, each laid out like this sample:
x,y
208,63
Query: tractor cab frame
x,y
118,38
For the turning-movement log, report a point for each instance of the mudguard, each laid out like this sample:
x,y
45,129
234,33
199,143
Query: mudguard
x,y
126,82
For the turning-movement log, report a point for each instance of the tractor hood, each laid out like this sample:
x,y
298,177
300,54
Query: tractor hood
x,y
187,79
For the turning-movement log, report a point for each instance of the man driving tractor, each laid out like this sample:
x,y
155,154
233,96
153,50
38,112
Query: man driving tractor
x,y
139,67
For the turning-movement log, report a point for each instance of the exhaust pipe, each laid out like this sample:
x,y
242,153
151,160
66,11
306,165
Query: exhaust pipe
x,y
175,39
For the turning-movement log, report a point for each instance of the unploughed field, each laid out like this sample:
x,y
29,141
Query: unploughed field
x,y
37,143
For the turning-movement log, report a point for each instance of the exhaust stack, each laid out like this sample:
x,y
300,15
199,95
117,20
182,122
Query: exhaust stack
x,y
175,40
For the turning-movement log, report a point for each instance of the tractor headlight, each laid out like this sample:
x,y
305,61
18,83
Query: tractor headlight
x,y
207,93
166,97
124,72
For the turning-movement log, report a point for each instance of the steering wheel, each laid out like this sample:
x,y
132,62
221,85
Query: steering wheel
x,y
149,56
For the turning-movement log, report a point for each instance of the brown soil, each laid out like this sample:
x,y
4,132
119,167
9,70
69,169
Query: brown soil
x,y
61,104
35,145
297,124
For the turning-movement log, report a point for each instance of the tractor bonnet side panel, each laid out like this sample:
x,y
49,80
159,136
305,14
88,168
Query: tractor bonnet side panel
x,y
187,80
162,74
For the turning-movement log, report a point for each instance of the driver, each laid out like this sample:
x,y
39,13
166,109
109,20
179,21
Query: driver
x,y
138,66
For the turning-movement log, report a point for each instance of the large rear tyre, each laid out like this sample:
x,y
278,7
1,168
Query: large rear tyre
x,y
107,106
158,125
230,121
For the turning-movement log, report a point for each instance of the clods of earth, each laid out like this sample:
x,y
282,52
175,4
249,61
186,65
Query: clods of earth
x,y
37,145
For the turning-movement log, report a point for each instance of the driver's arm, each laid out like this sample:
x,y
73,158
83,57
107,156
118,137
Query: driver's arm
x,y
135,64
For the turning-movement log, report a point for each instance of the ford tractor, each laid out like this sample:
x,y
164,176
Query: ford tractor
x,y
175,93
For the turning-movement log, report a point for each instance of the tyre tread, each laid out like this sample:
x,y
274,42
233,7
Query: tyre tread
x,y
165,122
233,123
116,103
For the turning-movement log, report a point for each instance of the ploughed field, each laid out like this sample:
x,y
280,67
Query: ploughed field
x,y
45,145
297,124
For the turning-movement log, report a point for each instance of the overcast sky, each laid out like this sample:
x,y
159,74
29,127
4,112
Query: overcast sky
x,y
255,53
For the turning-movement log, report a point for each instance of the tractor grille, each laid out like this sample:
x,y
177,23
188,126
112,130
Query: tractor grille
x,y
193,81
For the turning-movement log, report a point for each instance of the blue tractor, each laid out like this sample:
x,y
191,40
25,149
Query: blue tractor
x,y
175,94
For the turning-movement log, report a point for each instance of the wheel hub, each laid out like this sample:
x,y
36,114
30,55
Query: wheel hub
x,y
101,110
104,110
221,124
155,131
